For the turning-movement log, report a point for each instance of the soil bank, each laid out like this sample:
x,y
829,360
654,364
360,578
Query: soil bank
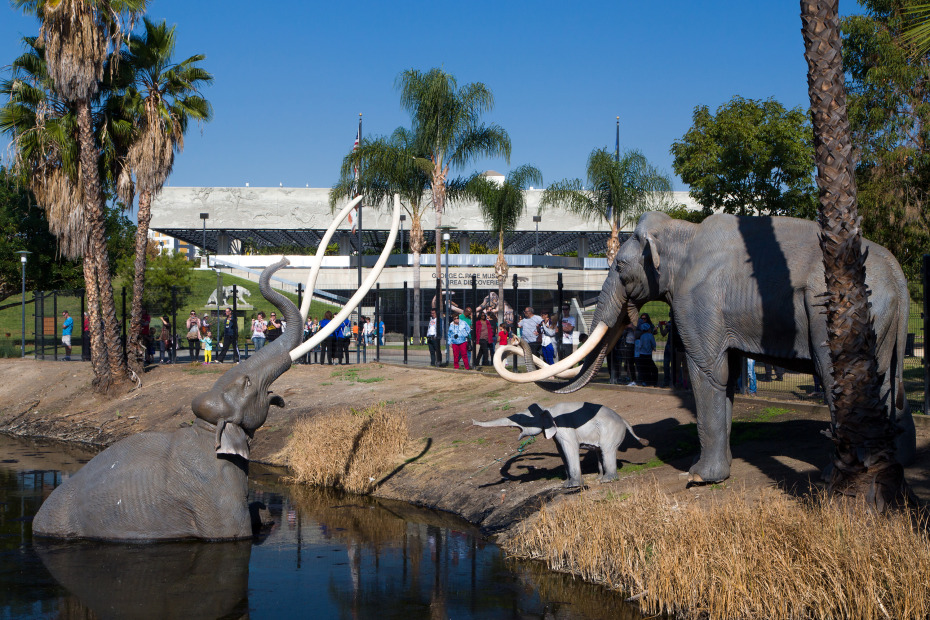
x,y
481,474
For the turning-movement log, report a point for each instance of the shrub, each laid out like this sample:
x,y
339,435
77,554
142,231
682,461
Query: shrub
x,y
347,449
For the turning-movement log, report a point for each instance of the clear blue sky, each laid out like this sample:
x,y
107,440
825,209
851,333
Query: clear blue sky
x,y
292,77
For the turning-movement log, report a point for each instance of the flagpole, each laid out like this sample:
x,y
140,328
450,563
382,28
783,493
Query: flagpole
x,y
358,309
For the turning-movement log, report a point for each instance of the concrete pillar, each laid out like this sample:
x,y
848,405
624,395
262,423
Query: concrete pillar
x,y
222,242
464,243
345,245
583,245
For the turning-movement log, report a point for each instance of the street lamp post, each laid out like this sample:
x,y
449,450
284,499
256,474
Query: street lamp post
x,y
22,259
203,248
446,237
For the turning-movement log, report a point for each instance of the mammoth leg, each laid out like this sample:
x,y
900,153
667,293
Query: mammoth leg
x,y
714,403
608,463
571,454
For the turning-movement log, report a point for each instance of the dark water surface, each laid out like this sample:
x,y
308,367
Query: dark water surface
x,y
326,556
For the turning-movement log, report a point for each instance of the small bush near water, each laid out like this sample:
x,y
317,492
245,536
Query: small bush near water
x,y
771,557
347,449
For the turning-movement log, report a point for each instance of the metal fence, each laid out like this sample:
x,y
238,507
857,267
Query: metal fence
x,y
399,329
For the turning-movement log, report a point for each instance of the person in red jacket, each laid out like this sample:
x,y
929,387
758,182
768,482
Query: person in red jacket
x,y
484,336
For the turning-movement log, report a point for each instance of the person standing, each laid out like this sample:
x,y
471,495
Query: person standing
x,y
484,335
207,348
381,332
327,347
547,339
529,330
458,338
164,341
568,333
344,337
230,336
273,328
432,339
193,335
645,345
66,328
258,331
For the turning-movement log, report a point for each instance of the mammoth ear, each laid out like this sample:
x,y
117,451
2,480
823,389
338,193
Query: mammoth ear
x,y
234,441
277,401
653,251
547,422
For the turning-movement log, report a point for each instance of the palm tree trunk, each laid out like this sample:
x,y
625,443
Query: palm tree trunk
x,y
613,243
97,253
98,352
500,268
863,436
138,284
416,246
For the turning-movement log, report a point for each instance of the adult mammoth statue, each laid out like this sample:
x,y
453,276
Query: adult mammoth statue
x,y
193,482
738,286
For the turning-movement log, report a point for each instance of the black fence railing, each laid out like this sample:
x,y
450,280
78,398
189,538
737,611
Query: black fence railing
x,y
392,325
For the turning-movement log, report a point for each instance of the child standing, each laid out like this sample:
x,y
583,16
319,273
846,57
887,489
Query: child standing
x,y
207,348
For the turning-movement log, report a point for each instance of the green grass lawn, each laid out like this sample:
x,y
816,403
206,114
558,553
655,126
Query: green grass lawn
x,y
204,283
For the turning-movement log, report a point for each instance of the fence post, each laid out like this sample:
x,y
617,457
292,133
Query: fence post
x,y
559,336
516,314
377,329
40,324
174,325
235,296
474,317
926,287
55,321
441,331
406,320
300,295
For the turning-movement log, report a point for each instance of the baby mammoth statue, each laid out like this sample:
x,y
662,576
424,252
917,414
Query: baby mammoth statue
x,y
575,425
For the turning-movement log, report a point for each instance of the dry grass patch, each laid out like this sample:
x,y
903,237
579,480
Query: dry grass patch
x,y
347,449
773,557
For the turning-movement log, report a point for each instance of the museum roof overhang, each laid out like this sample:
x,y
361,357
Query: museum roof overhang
x,y
275,217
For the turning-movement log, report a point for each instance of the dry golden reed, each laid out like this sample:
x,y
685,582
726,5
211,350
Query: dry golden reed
x,y
772,557
347,449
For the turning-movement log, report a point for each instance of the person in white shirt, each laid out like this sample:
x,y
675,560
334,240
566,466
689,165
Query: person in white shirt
x,y
433,332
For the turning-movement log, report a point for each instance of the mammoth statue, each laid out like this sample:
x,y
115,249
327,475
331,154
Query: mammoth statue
x,y
193,482
573,426
738,286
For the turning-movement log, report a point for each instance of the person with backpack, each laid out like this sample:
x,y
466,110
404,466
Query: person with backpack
x,y
344,337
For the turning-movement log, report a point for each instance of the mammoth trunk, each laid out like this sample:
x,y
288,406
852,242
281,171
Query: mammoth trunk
x,y
613,311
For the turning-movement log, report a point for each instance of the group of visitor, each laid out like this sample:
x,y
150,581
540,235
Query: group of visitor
x,y
469,331
633,353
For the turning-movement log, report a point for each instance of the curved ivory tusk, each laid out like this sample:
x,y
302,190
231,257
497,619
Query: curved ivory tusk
x,y
320,252
549,371
571,373
360,293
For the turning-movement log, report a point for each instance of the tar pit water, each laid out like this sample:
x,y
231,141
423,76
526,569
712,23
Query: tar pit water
x,y
327,555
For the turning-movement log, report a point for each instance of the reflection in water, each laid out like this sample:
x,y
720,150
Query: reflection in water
x,y
164,580
327,555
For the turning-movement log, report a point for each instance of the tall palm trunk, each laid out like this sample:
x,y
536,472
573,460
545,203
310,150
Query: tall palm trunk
x,y
613,242
138,284
863,436
97,253
500,269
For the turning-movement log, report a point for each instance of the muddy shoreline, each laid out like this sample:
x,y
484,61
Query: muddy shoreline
x,y
482,475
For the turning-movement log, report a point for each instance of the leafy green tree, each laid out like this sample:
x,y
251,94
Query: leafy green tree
x,y
447,131
750,158
388,166
502,205
78,38
618,191
863,435
23,227
161,100
889,115
170,278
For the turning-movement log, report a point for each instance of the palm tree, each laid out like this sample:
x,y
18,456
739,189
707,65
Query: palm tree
x,y
446,126
79,36
502,206
162,99
863,436
387,167
618,191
